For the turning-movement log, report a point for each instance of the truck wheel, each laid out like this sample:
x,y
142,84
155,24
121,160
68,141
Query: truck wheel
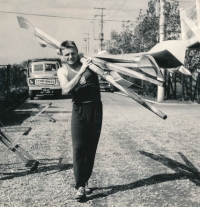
x,y
31,94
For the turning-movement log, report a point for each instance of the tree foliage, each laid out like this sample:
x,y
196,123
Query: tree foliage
x,y
144,34
13,84
121,42
172,15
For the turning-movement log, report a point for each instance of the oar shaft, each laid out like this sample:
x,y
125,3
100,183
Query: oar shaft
x,y
123,70
127,91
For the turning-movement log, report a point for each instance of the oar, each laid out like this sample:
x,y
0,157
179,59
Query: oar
x,y
128,91
117,68
122,58
43,38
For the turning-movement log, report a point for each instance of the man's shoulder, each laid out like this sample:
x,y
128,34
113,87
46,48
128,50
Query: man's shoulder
x,y
62,70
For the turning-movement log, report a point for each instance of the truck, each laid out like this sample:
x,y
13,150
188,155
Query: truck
x,y
42,77
105,85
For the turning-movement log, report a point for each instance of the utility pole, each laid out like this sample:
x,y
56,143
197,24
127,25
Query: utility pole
x,y
161,10
86,40
85,45
101,35
198,12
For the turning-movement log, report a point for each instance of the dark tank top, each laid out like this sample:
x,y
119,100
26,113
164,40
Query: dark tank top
x,y
87,89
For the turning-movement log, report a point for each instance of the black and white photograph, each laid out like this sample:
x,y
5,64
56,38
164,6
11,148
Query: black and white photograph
x,y
99,103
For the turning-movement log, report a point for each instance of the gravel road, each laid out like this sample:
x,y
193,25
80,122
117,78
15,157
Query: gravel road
x,y
141,160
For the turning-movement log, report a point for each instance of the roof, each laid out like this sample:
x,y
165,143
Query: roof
x,y
44,59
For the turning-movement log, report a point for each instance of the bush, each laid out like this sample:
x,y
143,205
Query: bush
x,y
17,84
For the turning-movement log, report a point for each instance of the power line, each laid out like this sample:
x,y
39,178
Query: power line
x,y
55,16
120,7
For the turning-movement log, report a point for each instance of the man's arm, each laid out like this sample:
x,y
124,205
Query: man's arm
x,y
67,85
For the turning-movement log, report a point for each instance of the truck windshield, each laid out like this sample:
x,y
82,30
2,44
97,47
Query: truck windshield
x,y
38,67
47,67
50,67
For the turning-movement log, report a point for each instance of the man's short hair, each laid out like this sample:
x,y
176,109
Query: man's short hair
x,y
67,44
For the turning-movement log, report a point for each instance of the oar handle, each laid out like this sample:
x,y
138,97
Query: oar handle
x,y
133,95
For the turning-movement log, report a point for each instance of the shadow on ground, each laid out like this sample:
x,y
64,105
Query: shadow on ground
x,y
182,171
51,97
11,119
46,165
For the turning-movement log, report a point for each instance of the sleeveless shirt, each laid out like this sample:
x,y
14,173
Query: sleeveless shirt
x,y
87,89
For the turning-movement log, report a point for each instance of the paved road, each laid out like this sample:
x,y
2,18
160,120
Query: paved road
x,y
141,160
113,103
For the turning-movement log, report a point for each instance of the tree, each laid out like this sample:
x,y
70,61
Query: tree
x,y
121,42
172,15
24,64
145,34
146,31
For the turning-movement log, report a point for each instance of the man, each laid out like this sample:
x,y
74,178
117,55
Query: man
x,y
86,121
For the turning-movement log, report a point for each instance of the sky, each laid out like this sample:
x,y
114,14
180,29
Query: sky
x,y
63,20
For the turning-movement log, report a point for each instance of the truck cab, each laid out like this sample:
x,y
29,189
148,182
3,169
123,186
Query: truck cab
x,y
42,77
105,85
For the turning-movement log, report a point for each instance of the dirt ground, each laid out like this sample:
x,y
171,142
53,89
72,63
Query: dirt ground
x,y
141,160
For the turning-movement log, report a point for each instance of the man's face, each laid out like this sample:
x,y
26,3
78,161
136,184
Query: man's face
x,y
70,55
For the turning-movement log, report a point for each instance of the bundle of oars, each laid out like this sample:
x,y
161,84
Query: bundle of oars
x,y
109,66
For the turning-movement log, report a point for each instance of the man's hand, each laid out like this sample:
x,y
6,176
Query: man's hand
x,y
85,64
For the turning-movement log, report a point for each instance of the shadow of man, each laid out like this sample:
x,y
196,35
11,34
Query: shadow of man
x,y
188,169
182,171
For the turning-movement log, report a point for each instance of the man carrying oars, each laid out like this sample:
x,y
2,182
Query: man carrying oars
x,y
86,118
83,84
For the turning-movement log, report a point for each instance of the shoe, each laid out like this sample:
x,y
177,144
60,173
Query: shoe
x,y
80,194
88,190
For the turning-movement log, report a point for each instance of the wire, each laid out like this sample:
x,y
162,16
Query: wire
x,y
43,15
120,7
111,6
